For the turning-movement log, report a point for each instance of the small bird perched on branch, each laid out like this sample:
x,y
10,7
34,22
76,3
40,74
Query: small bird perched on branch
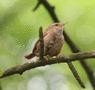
x,y
53,41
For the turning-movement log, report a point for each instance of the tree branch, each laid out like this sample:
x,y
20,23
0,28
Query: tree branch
x,y
75,73
19,69
71,44
49,8
41,44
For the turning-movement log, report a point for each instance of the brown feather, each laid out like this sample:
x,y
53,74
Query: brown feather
x,y
53,41
30,56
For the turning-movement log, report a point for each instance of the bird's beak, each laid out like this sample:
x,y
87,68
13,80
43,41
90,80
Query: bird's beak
x,y
63,24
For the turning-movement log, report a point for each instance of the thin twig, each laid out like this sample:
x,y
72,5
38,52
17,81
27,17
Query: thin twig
x,y
19,69
41,44
49,8
75,73
37,6
71,44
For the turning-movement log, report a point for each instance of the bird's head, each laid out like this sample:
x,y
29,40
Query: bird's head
x,y
58,26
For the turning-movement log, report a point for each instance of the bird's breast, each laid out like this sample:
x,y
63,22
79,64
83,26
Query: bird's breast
x,y
55,48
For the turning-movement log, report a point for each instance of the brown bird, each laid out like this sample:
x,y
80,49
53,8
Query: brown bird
x,y
53,41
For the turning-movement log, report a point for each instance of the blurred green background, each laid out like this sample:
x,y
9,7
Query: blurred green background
x,y
19,27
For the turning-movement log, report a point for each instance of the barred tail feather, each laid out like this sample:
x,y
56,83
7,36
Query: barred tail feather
x,y
29,56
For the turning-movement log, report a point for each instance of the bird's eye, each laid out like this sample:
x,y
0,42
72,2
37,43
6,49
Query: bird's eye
x,y
56,24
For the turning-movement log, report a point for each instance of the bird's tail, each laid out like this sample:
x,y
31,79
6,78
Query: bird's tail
x,y
31,55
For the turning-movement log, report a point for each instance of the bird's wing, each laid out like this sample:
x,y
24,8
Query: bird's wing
x,y
37,43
